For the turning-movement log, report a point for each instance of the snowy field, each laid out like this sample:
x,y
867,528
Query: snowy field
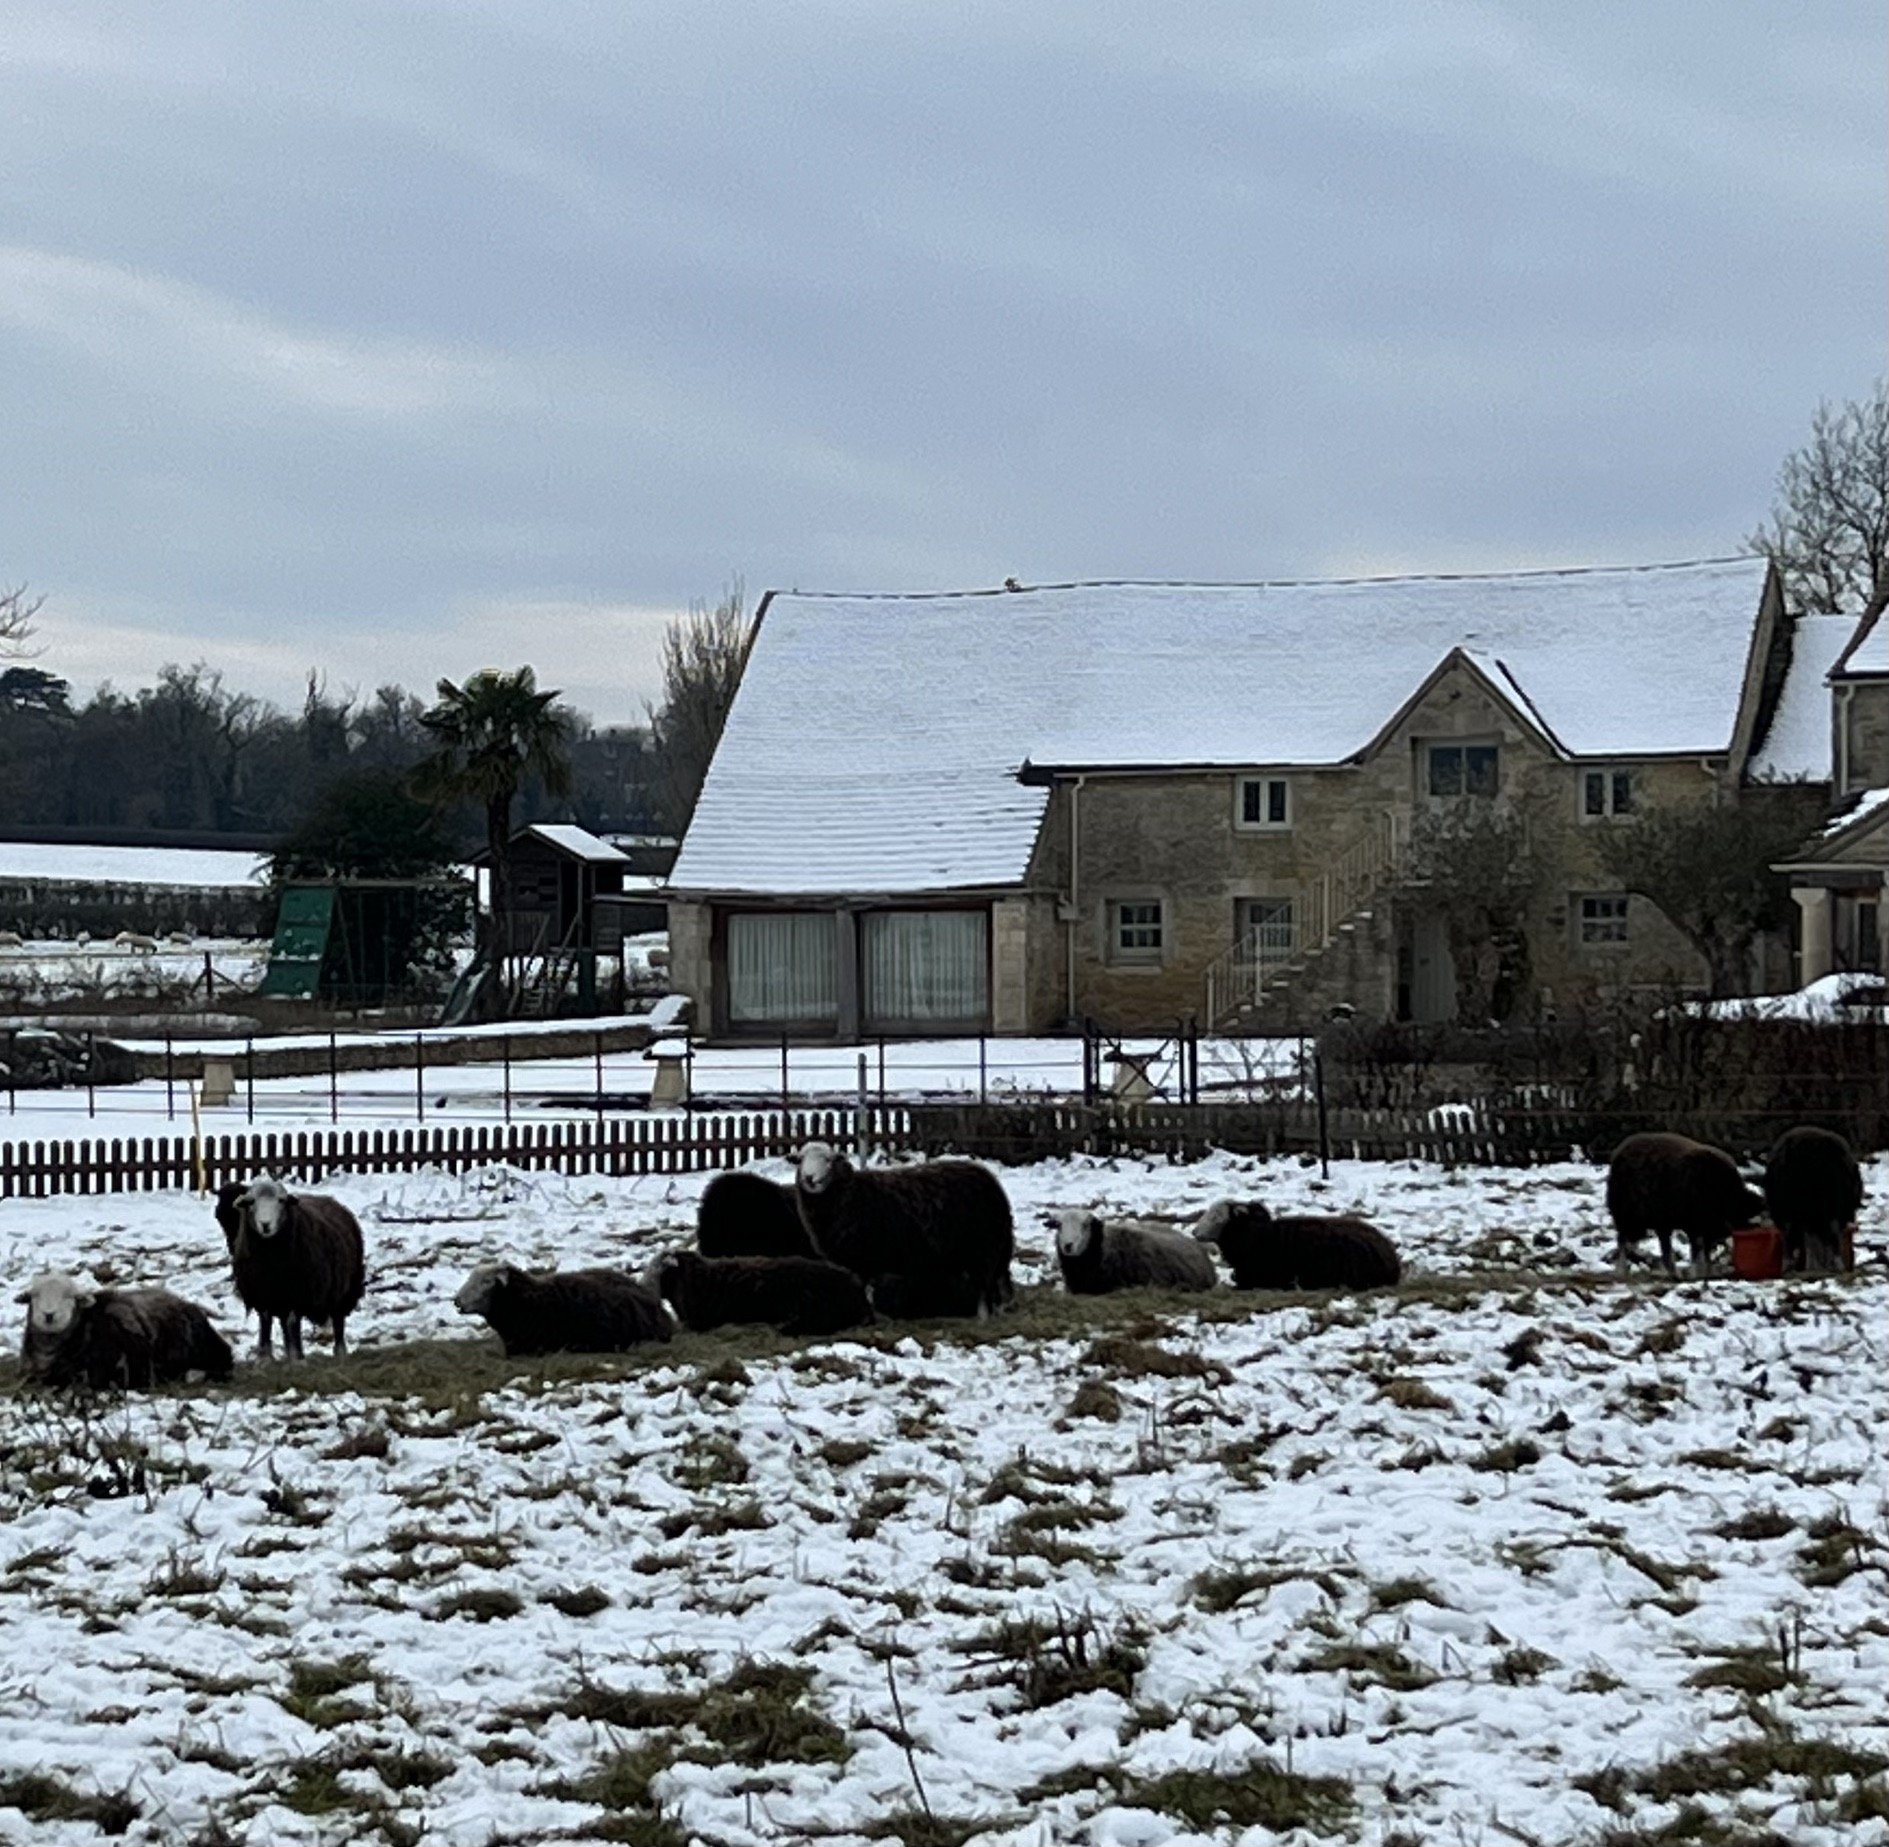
x,y
23,859
49,974
561,1089
1516,1553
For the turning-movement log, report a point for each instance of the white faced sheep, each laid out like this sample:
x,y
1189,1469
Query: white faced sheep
x,y
563,1311
933,1239
749,1215
117,1338
1299,1250
1665,1183
11,939
1812,1189
296,1256
1099,1256
797,1295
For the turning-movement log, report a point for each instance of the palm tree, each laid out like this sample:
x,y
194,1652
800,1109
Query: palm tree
x,y
491,736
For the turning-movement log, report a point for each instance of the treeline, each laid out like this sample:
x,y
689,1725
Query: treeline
x,y
191,754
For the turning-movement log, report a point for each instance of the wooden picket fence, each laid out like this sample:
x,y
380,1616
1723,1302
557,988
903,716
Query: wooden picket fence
x,y
697,1143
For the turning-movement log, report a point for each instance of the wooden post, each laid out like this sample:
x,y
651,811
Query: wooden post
x,y
784,1091
170,1081
505,1046
419,1078
597,1052
91,1075
1324,1124
251,1062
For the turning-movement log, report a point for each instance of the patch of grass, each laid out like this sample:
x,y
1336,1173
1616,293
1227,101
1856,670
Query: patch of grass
x,y
488,1605
843,1452
1524,1349
1222,1589
1413,1395
315,1686
1097,1399
1716,1459
712,1461
921,1828
712,1522
410,1769
370,1442
1752,1671
1522,1667
1380,1664
183,1575
1400,1591
1139,1359
1507,1458
315,1788
1049,1659
1759,1523
1216,1802
34,1561
42,1797
1836,1551
584,1600
1755,1761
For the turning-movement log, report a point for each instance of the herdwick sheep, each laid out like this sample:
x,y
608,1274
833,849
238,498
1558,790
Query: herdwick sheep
x,y
1665,1183
182,938
105,1338
1812,1189
797,1295
1098,1256
228,1209
748,1215
11,939
296,1256
934,1239
1299,1251
563,1311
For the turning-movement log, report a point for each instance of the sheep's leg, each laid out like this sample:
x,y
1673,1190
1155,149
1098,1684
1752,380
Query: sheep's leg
x,y
1666,1252
292,1337
341,1335
265,1349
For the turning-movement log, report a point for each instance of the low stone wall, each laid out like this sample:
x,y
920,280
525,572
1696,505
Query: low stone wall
x,y
65,907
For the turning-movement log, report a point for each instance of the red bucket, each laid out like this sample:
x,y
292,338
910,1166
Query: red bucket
x,y
1758,1252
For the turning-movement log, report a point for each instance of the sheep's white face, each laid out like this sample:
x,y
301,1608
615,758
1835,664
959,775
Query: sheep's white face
x,y
817,1162
266,1203
53,1302
1213,1222
1076,1230
476,1292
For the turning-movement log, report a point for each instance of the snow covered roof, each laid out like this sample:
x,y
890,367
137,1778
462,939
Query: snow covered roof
x,y
1868,651
579,842
875,741
1799,741
1868,804
192,866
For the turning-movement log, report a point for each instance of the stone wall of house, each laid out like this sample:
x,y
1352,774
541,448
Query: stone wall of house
x,y
1863,718
1177,838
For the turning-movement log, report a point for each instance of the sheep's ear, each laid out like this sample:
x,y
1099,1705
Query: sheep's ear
x,y
24,1298
84,1298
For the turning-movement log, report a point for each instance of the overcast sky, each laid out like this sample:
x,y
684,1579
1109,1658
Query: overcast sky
x,y
395,340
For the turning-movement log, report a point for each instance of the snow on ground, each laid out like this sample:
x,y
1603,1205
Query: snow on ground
x,y
24,859
560,1089
1519,1552
1848,994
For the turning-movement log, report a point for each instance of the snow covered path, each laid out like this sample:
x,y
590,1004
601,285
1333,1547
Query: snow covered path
x,y
1519,1552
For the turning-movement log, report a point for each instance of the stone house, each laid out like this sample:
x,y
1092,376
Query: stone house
x,y
1005,811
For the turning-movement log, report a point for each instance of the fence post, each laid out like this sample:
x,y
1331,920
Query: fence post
x,y
859,1112
249,1068
419,1078
882,1071
1324,1125
505,1048
688,1065
597,1053
91,1075
334,1079
785,1099
209,980
170,1081
983,1093
13,1070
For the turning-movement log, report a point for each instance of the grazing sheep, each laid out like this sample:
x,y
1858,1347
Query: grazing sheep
x,y
1299,1251
11,939
797,1295
137,942
748,1215
104,1338
1812,1189
1098,1256
181,938
296,1256
563,1311
934,1239
1665,1183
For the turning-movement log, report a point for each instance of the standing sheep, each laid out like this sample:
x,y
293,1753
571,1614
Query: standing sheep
x,y
296,1256
1098,1257
1812,1189
1299,1251
1664,1183
934,1239
749,1215
797,1295
228,1210
105,1338
562,1311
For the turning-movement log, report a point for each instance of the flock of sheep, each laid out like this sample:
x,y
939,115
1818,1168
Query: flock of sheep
x,y
844,1245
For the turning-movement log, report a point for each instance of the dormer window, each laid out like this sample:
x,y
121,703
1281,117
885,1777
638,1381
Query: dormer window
x,y
1606,794
1264,803
1463,769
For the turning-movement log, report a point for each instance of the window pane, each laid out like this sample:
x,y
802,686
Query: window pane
x,y
1266,925
1623,792
925,966
1594,793
1479,769
1276,803
1446,769
782,967
1138,927
1250,796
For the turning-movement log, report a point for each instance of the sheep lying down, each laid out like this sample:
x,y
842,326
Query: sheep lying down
x,y
107,1339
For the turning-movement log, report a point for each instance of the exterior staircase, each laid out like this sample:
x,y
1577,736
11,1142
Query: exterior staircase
x,y
1265,966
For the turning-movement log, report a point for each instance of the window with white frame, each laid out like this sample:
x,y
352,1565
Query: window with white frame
x,y
1463,769
1134,930
1265,803
1606,794
1265,927
1601,919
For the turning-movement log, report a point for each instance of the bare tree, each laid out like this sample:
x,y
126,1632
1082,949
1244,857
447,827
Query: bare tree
x,y
17,610
702,657
1474,863
1828,533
